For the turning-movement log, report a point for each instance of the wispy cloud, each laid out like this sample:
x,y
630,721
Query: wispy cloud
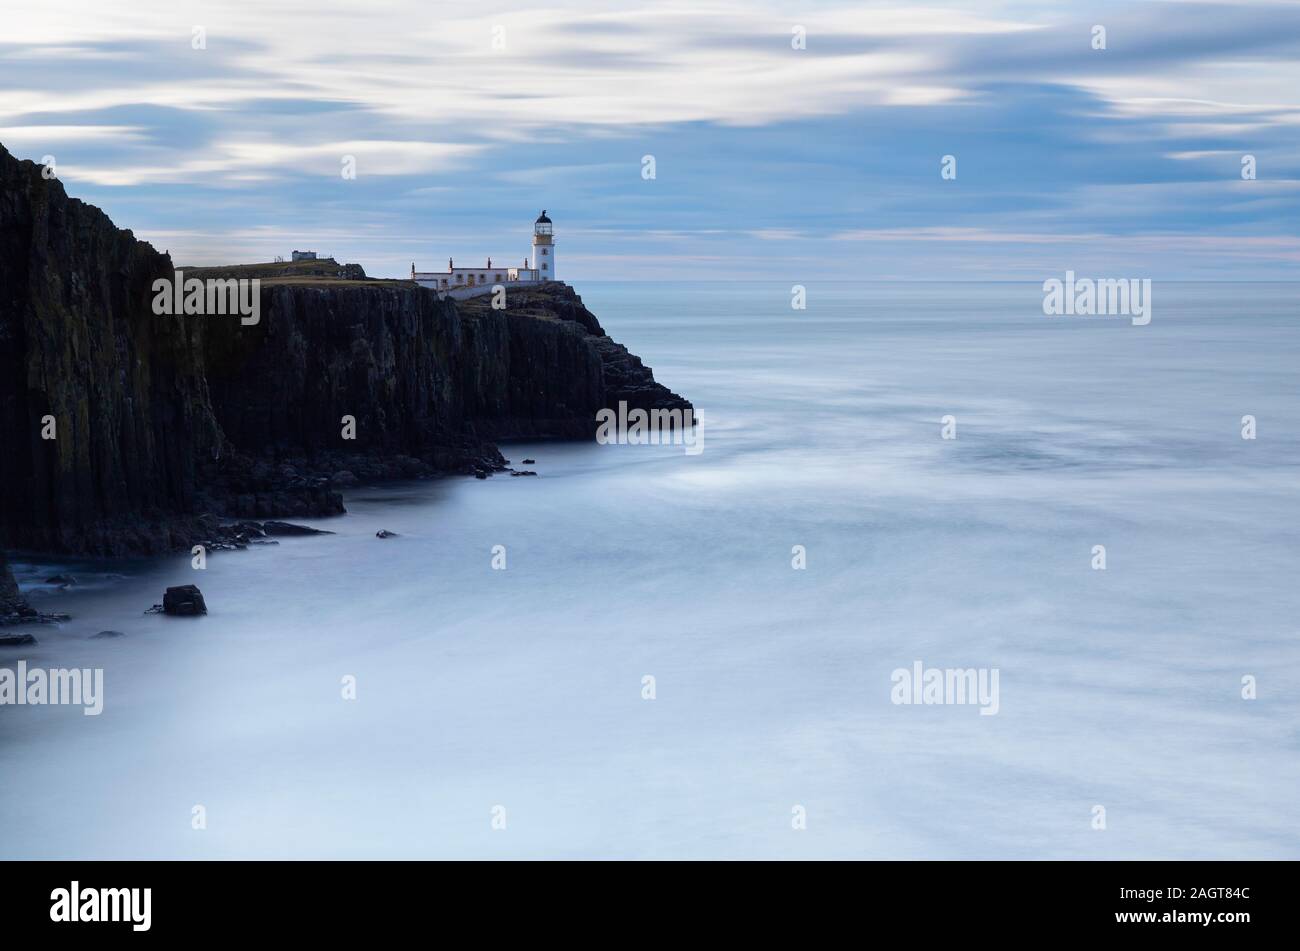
x,y
463,124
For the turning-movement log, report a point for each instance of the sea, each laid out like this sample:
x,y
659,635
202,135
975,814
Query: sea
x,y
649,653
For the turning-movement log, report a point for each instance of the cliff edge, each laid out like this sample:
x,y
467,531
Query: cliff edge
x,y
125,431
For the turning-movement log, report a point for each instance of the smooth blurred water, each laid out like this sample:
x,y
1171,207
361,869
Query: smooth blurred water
x,y
522,688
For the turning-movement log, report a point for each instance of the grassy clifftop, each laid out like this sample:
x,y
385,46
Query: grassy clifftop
x,y
326,268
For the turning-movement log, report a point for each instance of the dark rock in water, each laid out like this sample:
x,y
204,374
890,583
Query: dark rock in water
x,y
385,533
530,462
106,635
14,608
344,478
16,640
61,579
184,601
32,617
524,472
11,599
480,474
285,528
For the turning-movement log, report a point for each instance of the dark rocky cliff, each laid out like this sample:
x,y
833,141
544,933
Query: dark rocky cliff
x,y
422,376
550,329
79,343
161,420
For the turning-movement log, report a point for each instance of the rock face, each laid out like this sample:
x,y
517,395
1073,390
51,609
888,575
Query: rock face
x,y
184,601
434,381
384,359
548,329
163,423
79,343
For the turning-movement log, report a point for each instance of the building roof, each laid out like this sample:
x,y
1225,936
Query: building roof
x,y
471,270
542,219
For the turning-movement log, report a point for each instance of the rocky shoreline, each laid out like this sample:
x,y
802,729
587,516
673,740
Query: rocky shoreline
x,y
14,608
126,432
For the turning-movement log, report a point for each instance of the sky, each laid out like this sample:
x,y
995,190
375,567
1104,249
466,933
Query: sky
x,y
790,141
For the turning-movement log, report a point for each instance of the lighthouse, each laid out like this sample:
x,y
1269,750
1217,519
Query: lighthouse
x,y
466,281
544,248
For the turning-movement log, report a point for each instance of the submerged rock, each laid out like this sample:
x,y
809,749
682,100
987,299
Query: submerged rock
x,y
11,599
385,533
523,472
106,635
530,462
61,579
184,601
16,640
14,608
286,528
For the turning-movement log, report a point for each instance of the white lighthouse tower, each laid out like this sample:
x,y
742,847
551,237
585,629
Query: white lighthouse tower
x,y
543,248
462,282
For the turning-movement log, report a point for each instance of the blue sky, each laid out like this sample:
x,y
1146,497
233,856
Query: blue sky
x,y
794,164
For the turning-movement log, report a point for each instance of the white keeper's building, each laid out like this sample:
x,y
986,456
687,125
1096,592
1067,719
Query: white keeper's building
x,y
541,267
